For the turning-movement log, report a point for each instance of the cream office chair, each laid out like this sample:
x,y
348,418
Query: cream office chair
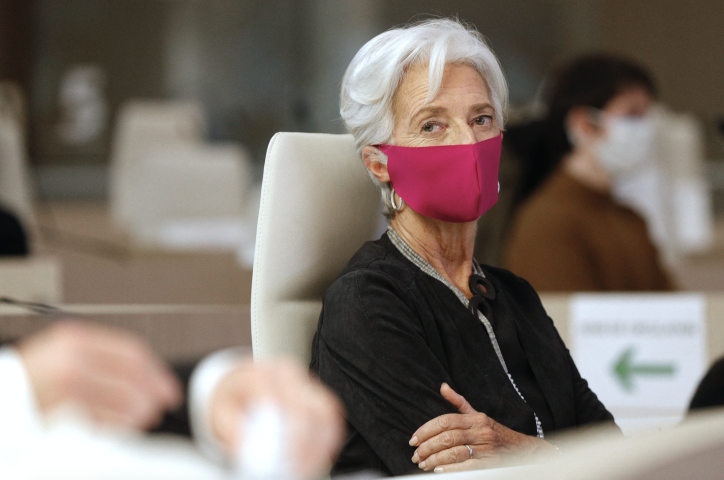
x,y
16,192
140,126
318,206
187,185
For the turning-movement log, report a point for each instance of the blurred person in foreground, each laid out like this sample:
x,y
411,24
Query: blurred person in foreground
x,y
443,364
571,234
114,378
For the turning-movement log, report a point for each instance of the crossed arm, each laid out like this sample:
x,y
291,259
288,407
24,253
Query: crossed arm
x,y
374,350
468,440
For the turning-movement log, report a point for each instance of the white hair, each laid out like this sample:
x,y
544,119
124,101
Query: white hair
x,y
376,71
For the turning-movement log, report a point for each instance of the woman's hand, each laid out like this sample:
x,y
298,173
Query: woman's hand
x,y
442,443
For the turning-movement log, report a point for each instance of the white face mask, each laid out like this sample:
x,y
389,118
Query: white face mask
x,y
629,143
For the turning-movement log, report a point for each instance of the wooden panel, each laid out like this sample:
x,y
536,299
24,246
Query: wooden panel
x,y
33,279
177,332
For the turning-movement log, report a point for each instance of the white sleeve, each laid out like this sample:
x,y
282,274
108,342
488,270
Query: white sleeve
x,y
18,407
203,383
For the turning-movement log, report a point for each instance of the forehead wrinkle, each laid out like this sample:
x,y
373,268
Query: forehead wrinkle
x,y
428,109
412,92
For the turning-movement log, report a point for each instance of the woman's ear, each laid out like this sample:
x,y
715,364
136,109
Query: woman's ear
x,y
376,162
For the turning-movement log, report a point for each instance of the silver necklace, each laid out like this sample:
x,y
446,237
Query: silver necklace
x,y
423,265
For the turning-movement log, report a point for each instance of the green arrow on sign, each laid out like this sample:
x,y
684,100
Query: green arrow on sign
x,y
624,369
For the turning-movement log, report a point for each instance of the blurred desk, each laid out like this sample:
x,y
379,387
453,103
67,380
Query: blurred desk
x,y
177,332
694,450
36,278
505,473
703,272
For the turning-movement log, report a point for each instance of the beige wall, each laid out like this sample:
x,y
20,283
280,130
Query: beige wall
x,y
682,43
262,67
179,333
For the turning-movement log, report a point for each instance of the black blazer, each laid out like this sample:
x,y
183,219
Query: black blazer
x,y
389,335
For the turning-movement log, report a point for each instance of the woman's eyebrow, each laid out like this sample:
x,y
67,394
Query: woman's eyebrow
x,y
479,107
430,109
436,110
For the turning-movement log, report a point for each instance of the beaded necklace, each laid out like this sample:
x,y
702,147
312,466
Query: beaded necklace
x,y
423,265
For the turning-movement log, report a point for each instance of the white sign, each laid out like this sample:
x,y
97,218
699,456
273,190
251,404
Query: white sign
x,y
640,353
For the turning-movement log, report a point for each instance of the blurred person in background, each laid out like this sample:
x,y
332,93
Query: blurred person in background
x,y
114,378
570,233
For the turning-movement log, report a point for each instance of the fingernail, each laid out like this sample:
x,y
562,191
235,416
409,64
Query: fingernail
x,y
438,470
422,465
413,441
415,458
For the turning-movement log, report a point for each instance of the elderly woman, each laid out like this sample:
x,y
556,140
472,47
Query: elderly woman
x,y
441,362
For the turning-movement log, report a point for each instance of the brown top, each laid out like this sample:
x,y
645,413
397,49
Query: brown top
x,y
568,237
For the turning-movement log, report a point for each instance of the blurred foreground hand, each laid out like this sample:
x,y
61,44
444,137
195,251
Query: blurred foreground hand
x,y
314,416
112,374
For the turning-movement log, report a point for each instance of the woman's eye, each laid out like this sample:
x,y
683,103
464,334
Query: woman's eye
x,y
484,120
431,127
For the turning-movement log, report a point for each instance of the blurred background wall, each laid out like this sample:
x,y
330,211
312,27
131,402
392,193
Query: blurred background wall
x,y
261,67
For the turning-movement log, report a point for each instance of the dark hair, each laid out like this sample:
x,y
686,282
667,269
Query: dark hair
x,y
592,80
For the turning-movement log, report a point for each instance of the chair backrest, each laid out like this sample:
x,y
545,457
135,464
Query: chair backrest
x,y
16,192
189,182
140,126
318,206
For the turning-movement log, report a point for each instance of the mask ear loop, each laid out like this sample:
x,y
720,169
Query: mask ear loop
x,y
396,208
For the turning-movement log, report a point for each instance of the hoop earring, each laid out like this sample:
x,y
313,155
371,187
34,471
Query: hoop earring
x,y
396,208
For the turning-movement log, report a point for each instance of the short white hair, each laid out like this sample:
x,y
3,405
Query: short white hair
x,y
376,71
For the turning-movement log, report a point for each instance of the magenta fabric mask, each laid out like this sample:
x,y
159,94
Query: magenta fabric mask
x,y
452,183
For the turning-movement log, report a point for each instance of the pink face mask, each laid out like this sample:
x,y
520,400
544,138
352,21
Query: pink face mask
x,y
452,183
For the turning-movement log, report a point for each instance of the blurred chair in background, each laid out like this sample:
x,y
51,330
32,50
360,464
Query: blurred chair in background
x,y
141,125
15,188
194,186
317,207
671,191
35,279
171,189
